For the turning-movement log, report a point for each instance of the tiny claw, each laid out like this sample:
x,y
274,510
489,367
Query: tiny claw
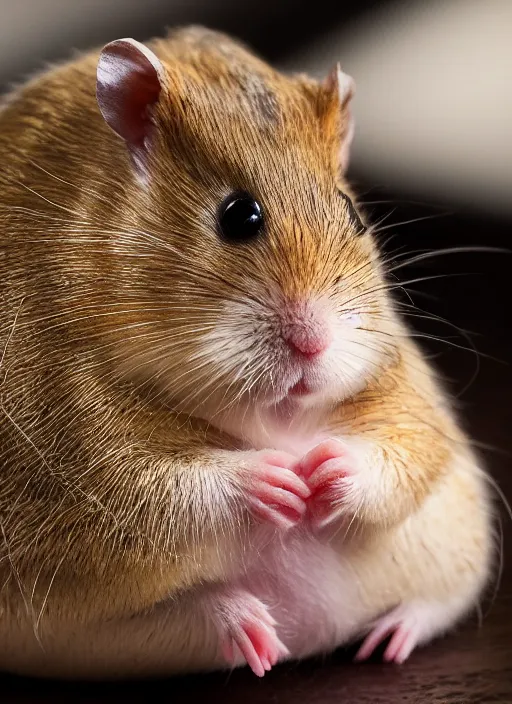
x,y
266,664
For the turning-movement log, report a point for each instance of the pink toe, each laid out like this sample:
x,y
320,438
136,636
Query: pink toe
x,y
271,515
266,664
331,471
275,496
327,450
372,640
400,646
277,458
249,652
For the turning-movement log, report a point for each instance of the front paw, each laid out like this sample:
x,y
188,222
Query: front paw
x,y
273,490
334,473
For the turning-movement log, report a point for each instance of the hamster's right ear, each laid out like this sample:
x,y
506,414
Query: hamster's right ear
x,y
338,91
129,82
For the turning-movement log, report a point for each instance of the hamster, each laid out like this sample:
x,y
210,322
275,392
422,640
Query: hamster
x,y
219,444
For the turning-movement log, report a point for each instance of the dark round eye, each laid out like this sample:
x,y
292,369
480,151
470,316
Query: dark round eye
x,y
240,218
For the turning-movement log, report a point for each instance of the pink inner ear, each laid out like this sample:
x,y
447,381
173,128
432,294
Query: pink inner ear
x,y
128,83
340,88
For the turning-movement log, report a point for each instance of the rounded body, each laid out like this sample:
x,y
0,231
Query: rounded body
x,y
144,511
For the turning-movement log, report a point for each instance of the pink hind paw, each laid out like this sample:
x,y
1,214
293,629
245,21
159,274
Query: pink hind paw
x,y
247,631
409,625
401,645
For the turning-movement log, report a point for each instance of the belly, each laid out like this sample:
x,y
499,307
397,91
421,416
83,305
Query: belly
x,y
309,589
312,591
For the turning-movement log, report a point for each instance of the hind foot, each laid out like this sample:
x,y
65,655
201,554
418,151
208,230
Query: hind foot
x,y
409,625
247,631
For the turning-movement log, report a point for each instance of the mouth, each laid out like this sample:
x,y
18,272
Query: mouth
x,y
299,389
293,383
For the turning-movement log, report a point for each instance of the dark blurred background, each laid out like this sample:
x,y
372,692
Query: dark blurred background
x,y
434,103
433,162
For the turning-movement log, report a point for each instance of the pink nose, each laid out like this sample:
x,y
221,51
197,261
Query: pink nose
x,y
309,338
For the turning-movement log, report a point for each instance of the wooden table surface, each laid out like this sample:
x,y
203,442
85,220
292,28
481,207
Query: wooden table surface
x,y
473,664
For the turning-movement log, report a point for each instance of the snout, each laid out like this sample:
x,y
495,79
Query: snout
x,y
305,328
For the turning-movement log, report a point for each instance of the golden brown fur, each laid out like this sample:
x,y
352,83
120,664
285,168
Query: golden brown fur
x,y
105,471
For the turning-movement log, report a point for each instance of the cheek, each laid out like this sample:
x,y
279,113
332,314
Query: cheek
x,y
231,344
356,354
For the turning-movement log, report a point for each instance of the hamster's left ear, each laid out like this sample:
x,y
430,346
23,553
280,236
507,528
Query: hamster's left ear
x,y
129,82
337,92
